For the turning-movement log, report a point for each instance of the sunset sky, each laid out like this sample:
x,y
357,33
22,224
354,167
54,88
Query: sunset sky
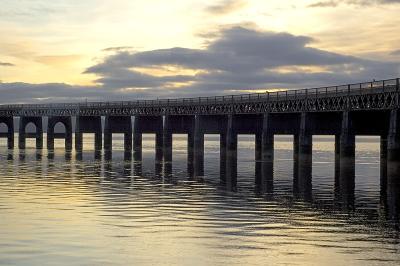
x,y
67,50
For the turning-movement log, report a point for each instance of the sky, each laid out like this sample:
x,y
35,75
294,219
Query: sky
x,y
69,50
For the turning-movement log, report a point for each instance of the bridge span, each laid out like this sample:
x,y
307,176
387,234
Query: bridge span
x,y
369,108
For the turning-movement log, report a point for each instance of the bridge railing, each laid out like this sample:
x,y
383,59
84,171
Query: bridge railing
x,y
380,86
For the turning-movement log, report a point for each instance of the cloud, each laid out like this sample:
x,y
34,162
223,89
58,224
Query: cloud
x,y
118,49
240,58
334,3
225,7
324,4
237,59
6,64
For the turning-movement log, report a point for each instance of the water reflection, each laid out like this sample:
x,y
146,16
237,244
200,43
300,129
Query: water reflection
x,y
102,210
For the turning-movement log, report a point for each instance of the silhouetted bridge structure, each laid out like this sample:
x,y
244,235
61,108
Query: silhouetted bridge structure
x,y
370,108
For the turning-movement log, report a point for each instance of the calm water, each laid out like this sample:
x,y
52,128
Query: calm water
x,y
61,211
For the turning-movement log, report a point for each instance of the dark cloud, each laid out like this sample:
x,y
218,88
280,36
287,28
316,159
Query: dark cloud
x,y
237,59
226,7
334,3
6,64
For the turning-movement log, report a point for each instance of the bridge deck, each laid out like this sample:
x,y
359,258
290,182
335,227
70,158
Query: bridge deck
x,y
368,95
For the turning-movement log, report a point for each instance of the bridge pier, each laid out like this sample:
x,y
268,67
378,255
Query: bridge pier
x,y
304,175
393,165
167,145
167,139
137,139
66,121
23,122
198,147
88,124
347,160
267,155
118,124
9,122
231,154
159,146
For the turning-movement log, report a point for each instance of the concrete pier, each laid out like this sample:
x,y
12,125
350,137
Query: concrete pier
x,y
38,135
67,135
137,140
267,154
393,165
347,158
304,178
231,154
198,147
167,140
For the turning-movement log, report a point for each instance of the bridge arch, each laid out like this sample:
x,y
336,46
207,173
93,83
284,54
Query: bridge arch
x,y
59,127
24,132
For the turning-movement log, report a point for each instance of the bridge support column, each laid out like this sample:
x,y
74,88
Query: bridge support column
x,y
9,121
347,161
393,166
167,146
51,135
167,139
137,139
88,124
231,154
159,146
304,179
266,181
118,124
222,158
198,147
23,122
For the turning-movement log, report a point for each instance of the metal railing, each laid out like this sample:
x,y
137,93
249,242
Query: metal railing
x,y
372,87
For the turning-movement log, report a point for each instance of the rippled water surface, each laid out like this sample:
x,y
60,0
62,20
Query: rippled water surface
x,y
63,211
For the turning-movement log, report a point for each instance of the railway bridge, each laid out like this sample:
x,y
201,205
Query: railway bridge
x,y
369,108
